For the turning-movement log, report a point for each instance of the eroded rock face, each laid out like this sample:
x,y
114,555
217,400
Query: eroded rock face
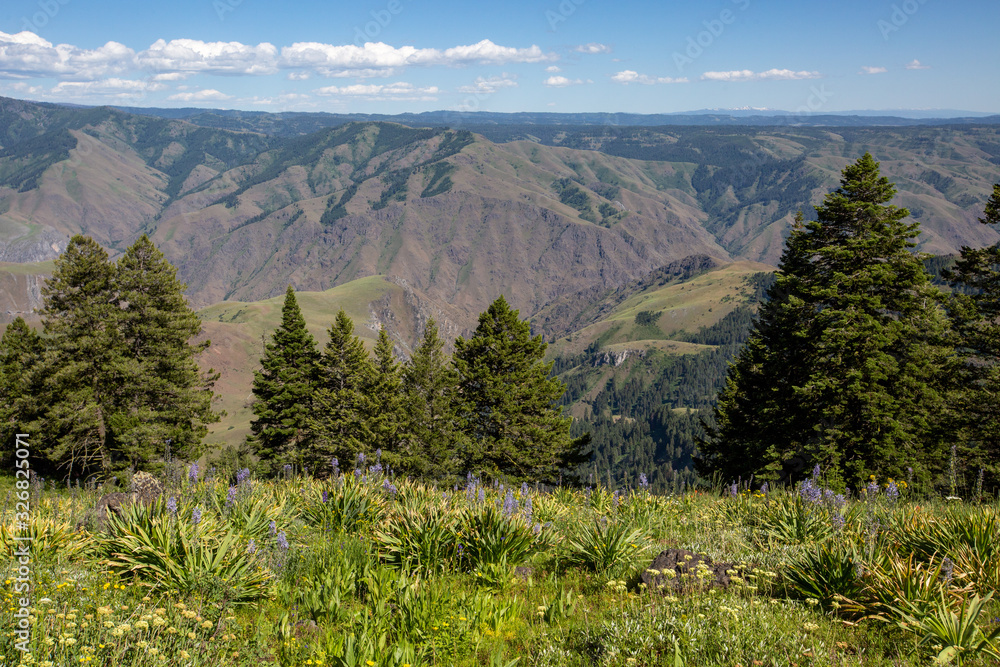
x,y
679,569
145,489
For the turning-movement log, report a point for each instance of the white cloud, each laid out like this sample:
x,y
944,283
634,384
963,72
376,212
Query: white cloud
x,y
172,76
207,95
748,75
193,55
116,89
562,82
490,85
915,64
25,55
592,48
398,91
286,99
330,58
552,69
865,69
631,76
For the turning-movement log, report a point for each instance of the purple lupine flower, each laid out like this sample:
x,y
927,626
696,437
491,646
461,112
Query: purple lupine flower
x,y
537,529
871,491
375,470
172,505
892,491
389,486
528,509
482,495
764,488
231,496
524,488
273,528
733,489
357,473
643,482
243,475
251,546
947,570
816,472
282,541
326,495
587,492
196,515
616,498
509,504
361,459
378,454
810,492
837,520
287,468
193,473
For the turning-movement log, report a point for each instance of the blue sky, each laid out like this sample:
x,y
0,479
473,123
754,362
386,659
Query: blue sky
x,y
393,56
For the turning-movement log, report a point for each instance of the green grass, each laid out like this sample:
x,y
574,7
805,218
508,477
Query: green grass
x,y
353,597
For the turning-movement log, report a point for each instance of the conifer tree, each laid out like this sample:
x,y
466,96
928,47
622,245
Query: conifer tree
x,y
283,388
78,380
385,394
339,425
975,313
432,430
166,397
509,409
21,349
844,367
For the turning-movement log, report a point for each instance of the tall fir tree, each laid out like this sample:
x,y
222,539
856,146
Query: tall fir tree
x,y
386,400
283,389
844,368
509,402
79,377
975,313
339,425
432,431
21,348
167,401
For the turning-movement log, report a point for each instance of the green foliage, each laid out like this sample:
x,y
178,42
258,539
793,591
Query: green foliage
x,y
488,537
348,507
844,367
438,179
827,574
283,388
118,382
172,553
431,428
509,401
608,547
21,349
955,636
424,543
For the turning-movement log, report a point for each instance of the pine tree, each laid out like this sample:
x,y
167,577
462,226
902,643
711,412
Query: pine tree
x,y
21,349
385,394
509,409
284,387
432,433
844,367
975,314
166,402
77,380
339,424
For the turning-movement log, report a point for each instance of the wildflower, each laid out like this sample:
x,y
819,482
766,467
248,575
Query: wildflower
x,y
273,528
231,496
251,546
141,625
891,490
326,495
172,505
196,515
206,624
282,541
643,482
389,487
947,570
243,475
193,473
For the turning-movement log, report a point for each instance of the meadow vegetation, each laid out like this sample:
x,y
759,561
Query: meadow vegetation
x,y
361,568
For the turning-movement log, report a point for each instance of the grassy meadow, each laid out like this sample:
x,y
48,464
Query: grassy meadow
x,y
364,569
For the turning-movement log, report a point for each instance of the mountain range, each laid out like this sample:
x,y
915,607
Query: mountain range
x,y
576,220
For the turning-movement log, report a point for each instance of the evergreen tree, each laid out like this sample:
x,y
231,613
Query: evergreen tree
x,y
166,399
21,349
283,388
509,402
844,367
432,430
80,376
975,315
339,425
385,394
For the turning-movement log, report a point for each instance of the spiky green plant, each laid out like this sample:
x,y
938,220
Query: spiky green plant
x,y
607,547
